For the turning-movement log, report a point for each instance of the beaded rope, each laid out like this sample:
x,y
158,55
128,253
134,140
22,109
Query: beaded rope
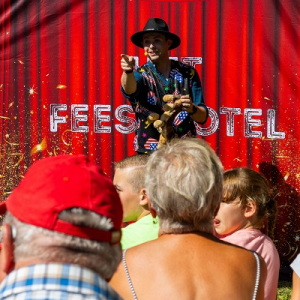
x,y
257,275
127,275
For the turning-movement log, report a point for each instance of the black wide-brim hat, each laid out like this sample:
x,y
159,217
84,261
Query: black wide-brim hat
x,y
156,25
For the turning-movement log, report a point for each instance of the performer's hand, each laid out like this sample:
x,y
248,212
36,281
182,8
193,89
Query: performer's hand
x,y
187,103
127,63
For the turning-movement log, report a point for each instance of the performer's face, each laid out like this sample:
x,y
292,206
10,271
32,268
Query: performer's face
x,y
156,45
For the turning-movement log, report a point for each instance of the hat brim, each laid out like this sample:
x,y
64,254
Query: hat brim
x,y
137,38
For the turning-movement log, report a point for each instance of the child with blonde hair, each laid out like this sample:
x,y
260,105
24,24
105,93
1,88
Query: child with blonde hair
x,y
129,182
246,208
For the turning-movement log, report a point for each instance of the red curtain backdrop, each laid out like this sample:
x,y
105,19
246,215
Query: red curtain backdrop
x,y
60,85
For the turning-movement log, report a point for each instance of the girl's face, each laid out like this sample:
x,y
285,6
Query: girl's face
x,y
230,218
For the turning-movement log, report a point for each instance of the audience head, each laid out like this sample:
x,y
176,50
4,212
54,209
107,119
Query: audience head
x,y
247,191
129,182
65,210
184,183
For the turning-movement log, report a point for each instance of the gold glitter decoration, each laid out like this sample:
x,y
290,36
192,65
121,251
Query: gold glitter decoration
x,y
20,159
295,252
237,159
61,86
6,193
266,139
39,147
10,143
63,137
287,175
11,104
21,62
11,162
289,249
32,91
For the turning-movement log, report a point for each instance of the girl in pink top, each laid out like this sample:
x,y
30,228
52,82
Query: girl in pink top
x,y
245,209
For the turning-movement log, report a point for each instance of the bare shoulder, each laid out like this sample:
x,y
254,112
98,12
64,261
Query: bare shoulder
x,y
245,267
231,270
119,282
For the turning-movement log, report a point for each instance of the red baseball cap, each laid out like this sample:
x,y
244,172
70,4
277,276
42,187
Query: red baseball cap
x,y
57,183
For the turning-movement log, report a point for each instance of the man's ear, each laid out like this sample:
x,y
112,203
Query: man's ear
x,y
7,262
250,209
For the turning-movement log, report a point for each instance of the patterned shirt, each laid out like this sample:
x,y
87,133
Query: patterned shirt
x,y
148,98
55,281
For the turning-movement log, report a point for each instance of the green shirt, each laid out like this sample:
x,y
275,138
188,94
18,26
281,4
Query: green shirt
x,y
144,230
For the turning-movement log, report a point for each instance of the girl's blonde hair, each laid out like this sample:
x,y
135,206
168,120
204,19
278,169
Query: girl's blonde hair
x,y
249,185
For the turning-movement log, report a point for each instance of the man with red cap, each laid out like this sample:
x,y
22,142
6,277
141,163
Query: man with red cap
x,y
146,87
61,235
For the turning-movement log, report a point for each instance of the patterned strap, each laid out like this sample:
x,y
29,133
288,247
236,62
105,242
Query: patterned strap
x,y
257,275
127,275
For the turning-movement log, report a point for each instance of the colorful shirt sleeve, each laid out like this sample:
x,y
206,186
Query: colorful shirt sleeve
x,y
133,97
197,90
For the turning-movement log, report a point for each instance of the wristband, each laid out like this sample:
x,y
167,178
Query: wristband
x,y
128,72
194,110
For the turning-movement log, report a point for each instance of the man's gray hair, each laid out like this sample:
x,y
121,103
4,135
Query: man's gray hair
x,y
32,242
184,183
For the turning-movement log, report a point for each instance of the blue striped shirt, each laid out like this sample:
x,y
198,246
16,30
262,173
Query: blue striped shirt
x,y
56,281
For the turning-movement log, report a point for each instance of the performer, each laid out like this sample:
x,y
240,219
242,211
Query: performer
x,y
146,87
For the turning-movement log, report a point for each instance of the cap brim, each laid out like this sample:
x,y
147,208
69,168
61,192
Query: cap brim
x,y
137,38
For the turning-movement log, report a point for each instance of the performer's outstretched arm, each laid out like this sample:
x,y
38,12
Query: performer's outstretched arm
x,y
128,80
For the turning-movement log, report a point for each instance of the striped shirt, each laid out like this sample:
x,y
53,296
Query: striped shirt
x,y
55,281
